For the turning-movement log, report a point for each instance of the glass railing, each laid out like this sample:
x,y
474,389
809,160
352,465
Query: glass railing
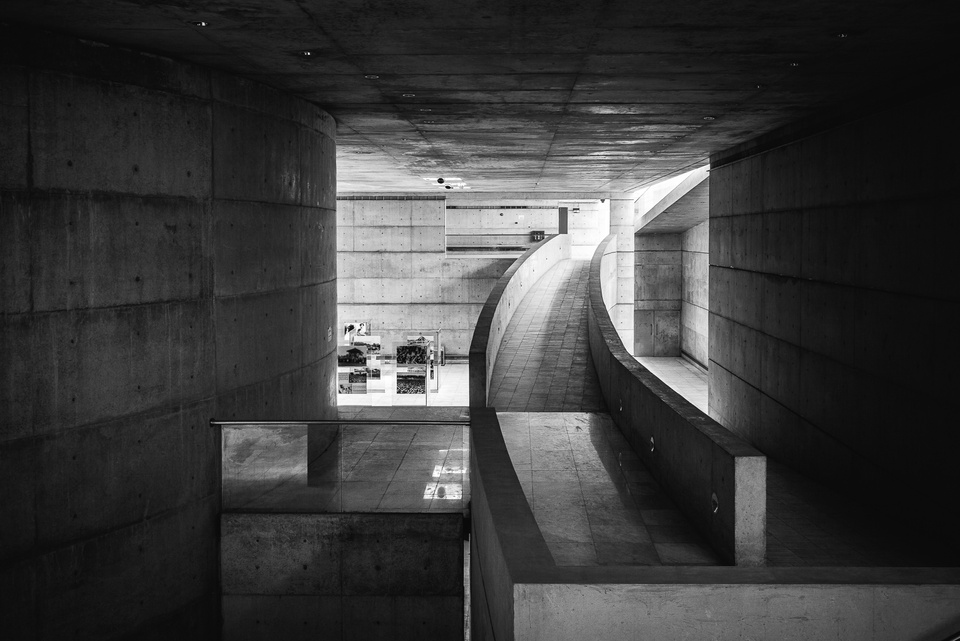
x,y
345,466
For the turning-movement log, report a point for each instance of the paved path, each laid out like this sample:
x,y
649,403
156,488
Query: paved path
x,y
544,361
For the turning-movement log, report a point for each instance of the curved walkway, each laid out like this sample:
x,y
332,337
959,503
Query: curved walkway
x,y
544,360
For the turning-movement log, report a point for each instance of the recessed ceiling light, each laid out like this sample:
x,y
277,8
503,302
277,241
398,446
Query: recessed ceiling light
x,y
200,23
409,95
372,76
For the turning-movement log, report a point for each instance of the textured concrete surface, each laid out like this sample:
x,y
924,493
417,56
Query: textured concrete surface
x,y
348,576
832,345
657,286
491,93
716,478
167,257
695,293
724,612
394,273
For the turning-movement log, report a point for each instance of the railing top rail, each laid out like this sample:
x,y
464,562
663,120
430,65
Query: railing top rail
x,y
341,421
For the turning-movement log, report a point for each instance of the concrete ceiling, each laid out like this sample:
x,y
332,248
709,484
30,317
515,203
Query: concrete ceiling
x,y
537,95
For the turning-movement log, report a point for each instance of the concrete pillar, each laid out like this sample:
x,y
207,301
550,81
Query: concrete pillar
x,y
168,257
621,224
658,294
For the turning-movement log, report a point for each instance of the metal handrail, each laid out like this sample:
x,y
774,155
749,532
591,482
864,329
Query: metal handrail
x,y
341,421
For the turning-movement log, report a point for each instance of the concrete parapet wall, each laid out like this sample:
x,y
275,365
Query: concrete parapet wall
x,y
500,307
167,258
342,576
776,609
517,592
716,478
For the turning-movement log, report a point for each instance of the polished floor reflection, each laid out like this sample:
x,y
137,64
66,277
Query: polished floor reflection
x,y
594,500
351,468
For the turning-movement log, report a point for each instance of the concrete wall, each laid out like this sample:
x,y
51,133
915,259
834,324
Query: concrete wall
x,y
657,289
394,272
694,293
621,305
342,576
833,304
166,258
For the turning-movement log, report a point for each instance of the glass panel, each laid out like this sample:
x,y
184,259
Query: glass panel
x,y
345,468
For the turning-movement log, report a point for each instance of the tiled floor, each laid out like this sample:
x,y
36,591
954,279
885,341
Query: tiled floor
x,y
544,361
595,502
366,468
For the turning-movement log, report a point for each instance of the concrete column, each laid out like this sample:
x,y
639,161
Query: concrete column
x,y
658,294
168,257
621,224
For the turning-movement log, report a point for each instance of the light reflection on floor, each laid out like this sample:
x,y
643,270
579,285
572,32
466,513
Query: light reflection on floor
x,y
366,468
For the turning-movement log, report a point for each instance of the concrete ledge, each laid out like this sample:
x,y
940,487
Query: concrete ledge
x,y
717,479
501,305
518,592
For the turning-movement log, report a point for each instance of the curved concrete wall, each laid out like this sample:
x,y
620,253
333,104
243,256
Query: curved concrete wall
x,y
168,256
500,307
692,456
